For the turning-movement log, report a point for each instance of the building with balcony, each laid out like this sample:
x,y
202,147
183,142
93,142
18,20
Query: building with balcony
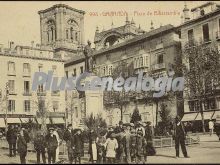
x,y
201,26
150,52
19,64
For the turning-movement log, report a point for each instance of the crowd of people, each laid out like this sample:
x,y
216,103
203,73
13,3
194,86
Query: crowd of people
x,y
125,143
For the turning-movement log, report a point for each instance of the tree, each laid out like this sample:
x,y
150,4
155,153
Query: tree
x,y
201,69
95,122
165,119
42,110
136,117
119,98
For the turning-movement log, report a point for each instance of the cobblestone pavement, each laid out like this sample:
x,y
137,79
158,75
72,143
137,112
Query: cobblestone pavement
x,y
207,151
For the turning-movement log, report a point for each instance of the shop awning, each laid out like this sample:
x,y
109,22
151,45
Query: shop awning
x,y
13,120
39,121
207,115
216,115
189,117
2,122
58,121
26,120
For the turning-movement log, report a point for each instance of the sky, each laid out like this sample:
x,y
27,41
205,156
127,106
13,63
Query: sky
x,y
20,22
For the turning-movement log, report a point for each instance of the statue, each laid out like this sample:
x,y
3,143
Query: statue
x,y
88,57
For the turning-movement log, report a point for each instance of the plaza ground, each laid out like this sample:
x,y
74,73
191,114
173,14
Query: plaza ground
x,y
208,151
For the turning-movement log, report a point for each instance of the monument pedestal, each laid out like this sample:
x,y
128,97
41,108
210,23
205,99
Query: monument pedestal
x,y
94,100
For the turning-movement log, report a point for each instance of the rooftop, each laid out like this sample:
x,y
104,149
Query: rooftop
x,y
149,34
61,5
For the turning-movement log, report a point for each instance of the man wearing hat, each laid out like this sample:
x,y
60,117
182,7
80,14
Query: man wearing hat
x,y
127,143
180,135
78,145
52,145
68,135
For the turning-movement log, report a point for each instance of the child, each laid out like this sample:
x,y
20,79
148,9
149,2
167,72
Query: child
x,y
133,146
141,143
111,146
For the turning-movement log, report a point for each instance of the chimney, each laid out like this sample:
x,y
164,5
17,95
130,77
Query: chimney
x,y
112,26
37,45
12,45
186,13
1,48
97,29
152,25
32,44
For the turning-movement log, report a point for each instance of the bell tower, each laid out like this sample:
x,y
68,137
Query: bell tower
x,y
62,29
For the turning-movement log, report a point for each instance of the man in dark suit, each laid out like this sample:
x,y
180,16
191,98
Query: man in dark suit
x,y
52,144
11,137
180,136
68,135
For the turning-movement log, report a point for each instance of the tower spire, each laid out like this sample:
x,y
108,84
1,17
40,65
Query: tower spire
x,y
127,20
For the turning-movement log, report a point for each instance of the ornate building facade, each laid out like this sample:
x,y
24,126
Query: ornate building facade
x,y
62,29
201,25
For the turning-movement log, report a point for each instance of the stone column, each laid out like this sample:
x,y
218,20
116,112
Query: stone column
x,y
41,30
82,30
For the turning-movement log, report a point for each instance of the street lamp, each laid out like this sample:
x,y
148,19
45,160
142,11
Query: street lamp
x,y
7,106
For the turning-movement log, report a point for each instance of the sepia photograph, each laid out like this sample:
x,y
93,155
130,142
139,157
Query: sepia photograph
x,y
110,82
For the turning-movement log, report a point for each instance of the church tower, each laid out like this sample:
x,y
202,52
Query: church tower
x,y
62,29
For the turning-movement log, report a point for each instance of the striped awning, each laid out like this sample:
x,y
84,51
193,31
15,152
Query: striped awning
x,y
39,121
27,120
13,120
207,115
58,120
2,122
189,116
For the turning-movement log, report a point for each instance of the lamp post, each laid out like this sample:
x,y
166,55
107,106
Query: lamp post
x,y
7,106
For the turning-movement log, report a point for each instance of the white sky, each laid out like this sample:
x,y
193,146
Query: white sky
x,y
20,22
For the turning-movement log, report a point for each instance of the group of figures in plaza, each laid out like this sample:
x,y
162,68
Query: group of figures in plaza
x,y
126,143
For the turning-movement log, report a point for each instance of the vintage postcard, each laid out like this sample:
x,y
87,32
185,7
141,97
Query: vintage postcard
x,y
109,82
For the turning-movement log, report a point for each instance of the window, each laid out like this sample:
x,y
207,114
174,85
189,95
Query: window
x,y
74,72
41,105
55,106
11,66
48,36
76,111
76,36
11,105
205,29
71,33
40,88
81,69
67,34
54,68
27,105
66,74
11,86
160,58
202,12
26,68
190,37
40,67
26,87
110,69
52,33
146,61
